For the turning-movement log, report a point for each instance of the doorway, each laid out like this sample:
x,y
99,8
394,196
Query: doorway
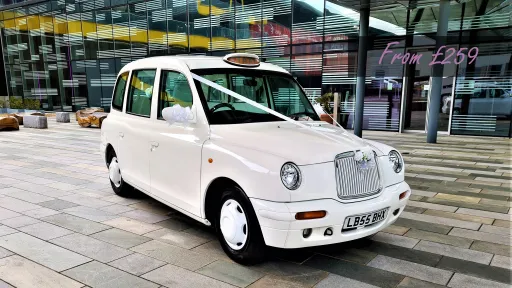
x,y
416,93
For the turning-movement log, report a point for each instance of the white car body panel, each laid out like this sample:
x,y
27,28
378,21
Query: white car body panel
x,y
171,162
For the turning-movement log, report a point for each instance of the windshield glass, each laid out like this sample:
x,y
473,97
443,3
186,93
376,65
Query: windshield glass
x,y
277,91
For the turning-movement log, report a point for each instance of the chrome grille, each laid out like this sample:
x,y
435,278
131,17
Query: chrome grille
x,y
351,182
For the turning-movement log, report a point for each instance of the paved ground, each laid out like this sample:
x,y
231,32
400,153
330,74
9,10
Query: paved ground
x,y
62,226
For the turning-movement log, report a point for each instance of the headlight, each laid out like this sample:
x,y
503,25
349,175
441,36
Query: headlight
x,y
396,159
290,176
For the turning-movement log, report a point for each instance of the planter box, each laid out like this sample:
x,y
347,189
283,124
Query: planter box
x,y
326,118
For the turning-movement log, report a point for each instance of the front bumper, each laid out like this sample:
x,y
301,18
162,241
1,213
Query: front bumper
x,y
280,229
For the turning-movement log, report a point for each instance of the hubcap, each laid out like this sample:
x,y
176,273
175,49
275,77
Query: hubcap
x,y
114,172
233,224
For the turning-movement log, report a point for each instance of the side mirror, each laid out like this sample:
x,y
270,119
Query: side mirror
x,y
178,114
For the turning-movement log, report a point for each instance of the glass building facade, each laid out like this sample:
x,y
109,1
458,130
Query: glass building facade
x,y
65,54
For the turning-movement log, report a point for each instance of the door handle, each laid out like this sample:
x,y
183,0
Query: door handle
x,y
154,145
121,134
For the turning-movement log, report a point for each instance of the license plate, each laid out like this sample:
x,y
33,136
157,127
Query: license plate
x,y
362,220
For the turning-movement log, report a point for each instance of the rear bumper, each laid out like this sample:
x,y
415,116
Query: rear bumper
x,y
280,229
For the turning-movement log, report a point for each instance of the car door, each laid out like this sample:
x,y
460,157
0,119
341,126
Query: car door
x,y
175,157
134,135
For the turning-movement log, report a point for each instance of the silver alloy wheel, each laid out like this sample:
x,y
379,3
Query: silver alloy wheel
x,y
233,224
114,172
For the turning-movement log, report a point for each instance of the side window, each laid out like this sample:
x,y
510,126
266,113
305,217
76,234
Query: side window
x,y
174,89
118,97
141,90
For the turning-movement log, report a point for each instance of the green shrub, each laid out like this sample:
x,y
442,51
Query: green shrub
x,y
32,104
15,103
3,104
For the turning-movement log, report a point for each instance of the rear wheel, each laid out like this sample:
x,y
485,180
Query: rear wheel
x,y
120,187
238,229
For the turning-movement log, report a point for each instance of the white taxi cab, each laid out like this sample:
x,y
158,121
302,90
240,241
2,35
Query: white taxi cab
x,y
235,144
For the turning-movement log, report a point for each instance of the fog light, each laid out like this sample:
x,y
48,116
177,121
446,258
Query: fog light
x,y
402,195
310,215
307,232
396,212
328,232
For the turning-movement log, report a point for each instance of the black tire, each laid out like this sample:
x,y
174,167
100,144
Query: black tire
x,y
124,189
253,251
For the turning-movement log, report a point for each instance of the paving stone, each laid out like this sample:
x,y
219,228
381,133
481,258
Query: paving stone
x,y
476,235
40,213
99,275
441,220
120,200
495,230
487,214
90,213
491,248
4,253
76,224
340,251
42,252
153,206
458,198
19,221
432,206
397,230
463,217
415,283
120,238
4,230
90,247
234,274
479,206
176,277
502,261
116,209
29,196
281,282
57,204
177,238
290,272
465,281
174,224
398,252
137,264
414,209
202,231
395,239
475,269
455,252
5,285
355,271
411,269
423,193
144,216
334,280
212,249
16,204
421,225
45,231
132,225
496,202
502,223
21,272
174,255
85,201
439,238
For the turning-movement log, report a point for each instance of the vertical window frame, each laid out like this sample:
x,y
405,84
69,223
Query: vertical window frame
x,y
121,107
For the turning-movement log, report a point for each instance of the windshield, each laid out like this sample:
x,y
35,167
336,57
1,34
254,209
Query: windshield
x,y
277,91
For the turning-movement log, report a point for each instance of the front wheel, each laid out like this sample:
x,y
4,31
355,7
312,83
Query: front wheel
x,y
120,187
238,229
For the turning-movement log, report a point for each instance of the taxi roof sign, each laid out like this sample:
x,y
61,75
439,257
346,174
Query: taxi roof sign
x,y
242,59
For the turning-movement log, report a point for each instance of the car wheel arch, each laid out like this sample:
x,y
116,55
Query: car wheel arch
x,y
213,195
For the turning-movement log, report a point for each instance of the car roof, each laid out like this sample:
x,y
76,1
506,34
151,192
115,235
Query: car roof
x,y
192,62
